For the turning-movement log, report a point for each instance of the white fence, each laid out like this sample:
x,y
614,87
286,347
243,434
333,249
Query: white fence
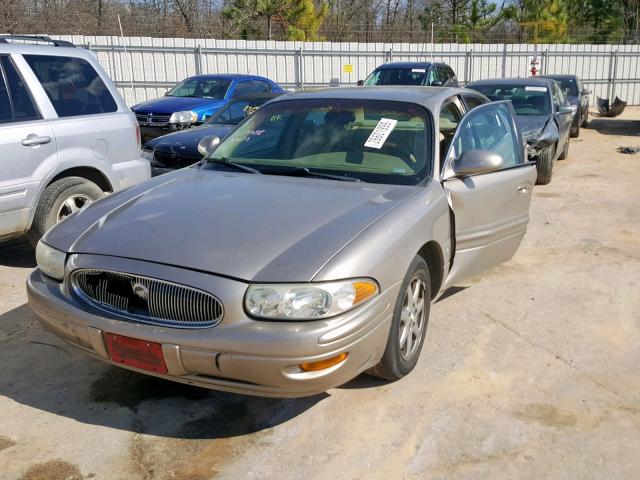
x,y
144,68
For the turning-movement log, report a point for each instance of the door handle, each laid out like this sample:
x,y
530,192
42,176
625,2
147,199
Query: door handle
x,y
33,140
524,188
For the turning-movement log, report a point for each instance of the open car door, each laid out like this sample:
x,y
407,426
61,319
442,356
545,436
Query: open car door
x,y
488,183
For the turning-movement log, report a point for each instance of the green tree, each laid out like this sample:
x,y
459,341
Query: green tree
x,y
305,20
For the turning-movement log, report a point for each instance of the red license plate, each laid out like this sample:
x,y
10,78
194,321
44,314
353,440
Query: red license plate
x,y
135,353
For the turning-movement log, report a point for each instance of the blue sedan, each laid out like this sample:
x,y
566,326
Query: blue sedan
x,y
194,100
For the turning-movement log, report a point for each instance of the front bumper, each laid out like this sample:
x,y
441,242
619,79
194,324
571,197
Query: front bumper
x,y
239,355
127,174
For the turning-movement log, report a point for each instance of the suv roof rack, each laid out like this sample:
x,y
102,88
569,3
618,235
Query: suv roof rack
x,y
38,38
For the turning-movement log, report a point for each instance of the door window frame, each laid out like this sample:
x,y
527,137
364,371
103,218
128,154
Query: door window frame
x,y
3,74
446,173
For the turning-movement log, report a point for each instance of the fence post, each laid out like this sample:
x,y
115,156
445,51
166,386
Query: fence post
x,y
198,59
389,55
610,76
298,69
504,60
471,65
614,76
543,61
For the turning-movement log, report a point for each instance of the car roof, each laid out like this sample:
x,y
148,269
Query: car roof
x,y
560,75
429,97
392,65
256,96
229,76
531,81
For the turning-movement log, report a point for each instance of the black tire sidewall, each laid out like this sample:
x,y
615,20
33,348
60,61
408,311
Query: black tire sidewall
x,y
51,201
394,366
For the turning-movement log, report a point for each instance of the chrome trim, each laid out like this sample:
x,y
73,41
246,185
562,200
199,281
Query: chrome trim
x,y
168,303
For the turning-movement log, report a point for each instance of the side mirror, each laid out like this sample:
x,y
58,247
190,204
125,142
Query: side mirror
x,y
360,83
437,83
567,109
208,144
473,162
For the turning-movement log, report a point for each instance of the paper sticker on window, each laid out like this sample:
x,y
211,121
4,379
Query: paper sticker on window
x,y
418,70
380,134
535,89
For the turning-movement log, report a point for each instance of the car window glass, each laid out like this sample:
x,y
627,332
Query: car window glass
x,y
526,99
569,87
442,75
471,101
260,86
72,85
235,113
490,128
215,88
373,140
449,119
398,76
23,108
6,115
451,73
242,88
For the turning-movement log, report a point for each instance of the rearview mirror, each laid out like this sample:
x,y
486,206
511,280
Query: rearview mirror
x,y
437,83
208,144
476,161
586,92
567,109
360,83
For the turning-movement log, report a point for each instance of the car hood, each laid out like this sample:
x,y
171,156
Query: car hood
x,y
185,142
168,105
531,125
250,227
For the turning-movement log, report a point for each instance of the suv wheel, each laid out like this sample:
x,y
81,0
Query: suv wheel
x,y
59,200
544,165
409,324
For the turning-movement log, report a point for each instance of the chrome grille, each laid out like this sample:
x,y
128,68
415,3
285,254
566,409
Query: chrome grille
x,y
149,119
147,300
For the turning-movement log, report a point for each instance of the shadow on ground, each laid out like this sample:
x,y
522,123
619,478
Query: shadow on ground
x,y
47,374
612,126
17,254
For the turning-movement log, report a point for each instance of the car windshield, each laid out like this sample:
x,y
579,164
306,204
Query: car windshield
x,y
372,141
526,99
397,76
236,111
201,88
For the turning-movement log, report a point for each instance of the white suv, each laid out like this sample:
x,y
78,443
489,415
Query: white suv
x,y
66,136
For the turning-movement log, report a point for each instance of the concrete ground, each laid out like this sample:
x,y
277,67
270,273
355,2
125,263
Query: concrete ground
x,y
530,371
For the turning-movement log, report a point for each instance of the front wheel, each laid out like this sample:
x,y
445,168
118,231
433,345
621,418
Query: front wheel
x,y
59,200
544,166
585,119
409,324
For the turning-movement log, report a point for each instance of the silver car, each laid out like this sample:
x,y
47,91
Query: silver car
x,y
304,250
66,135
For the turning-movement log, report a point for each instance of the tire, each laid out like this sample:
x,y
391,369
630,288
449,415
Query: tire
x,y
585,119
53,206
544,166
575,133
565,151
399,359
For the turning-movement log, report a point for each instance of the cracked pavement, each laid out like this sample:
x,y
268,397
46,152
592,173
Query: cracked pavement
x,y
528,371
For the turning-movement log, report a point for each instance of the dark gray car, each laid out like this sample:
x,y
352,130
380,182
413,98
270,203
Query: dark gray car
x,y
543,114
578,95
305,250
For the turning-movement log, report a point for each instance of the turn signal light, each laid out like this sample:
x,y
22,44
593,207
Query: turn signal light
x,y
323,364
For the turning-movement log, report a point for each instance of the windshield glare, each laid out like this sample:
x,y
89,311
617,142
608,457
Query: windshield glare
x,y
526,100
215,88
398,76
569,87
374,141
236,111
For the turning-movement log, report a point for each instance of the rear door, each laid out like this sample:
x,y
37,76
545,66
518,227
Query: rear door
x,y
563,120
27,149
490,210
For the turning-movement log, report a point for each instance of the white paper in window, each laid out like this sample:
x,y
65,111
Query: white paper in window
x,y
380,134
535,89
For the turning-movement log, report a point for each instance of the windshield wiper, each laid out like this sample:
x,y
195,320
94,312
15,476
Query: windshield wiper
x,y
238,166
305,172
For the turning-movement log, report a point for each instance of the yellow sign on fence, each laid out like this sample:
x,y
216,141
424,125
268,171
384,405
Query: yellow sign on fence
x,y
348,68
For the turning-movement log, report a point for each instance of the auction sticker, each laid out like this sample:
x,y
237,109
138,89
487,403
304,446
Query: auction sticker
x,y
380,134
418,70
535,89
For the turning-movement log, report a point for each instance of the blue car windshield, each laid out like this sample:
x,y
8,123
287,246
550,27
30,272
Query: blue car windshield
x,y
369,140
526,99
215,88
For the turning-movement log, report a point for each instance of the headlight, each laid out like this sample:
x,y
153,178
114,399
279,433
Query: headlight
x,y
307,301
50,260
147,154
183,117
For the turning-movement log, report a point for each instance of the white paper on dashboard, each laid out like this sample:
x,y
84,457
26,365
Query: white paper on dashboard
x,y
535,89
380,134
